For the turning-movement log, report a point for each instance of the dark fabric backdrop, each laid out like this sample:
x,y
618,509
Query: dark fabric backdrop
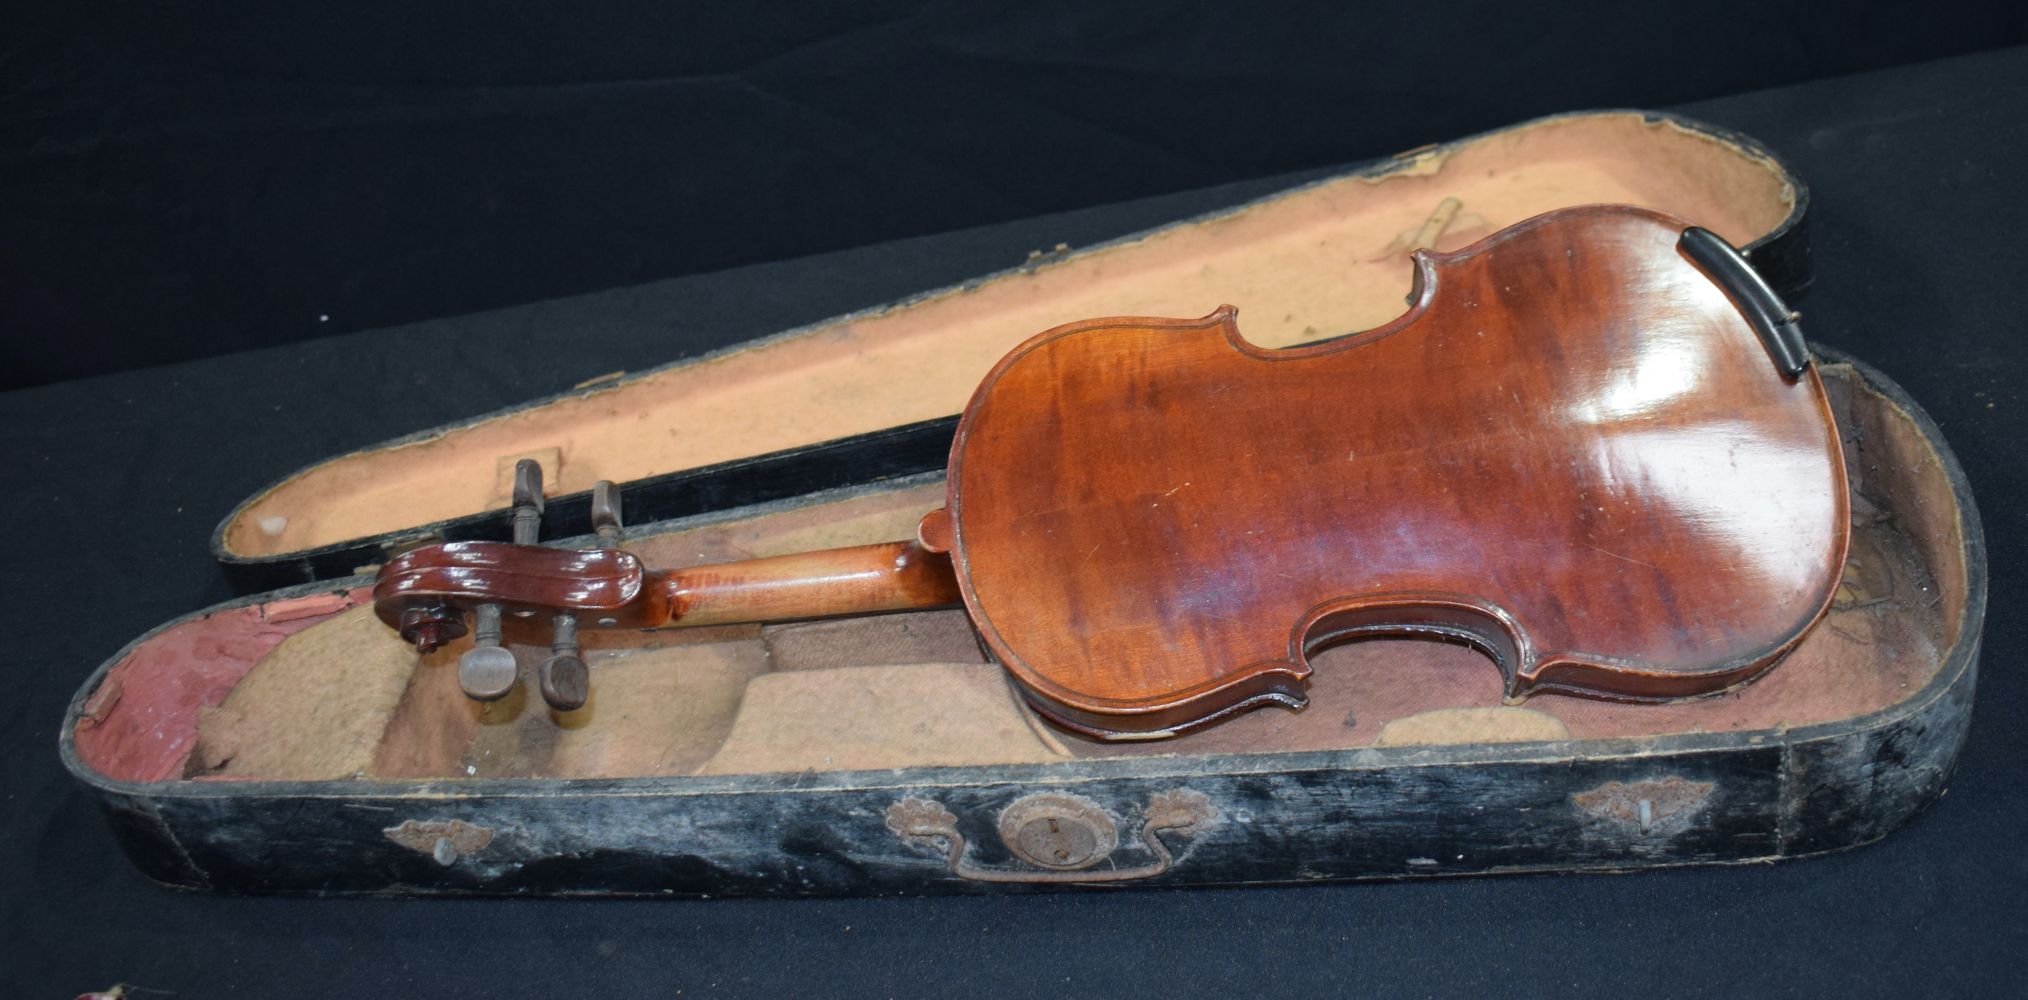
x,y
179,180
115,482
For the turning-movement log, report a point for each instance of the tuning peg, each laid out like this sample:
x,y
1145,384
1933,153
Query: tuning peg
x,y
527,501
605,514
487,671
565,680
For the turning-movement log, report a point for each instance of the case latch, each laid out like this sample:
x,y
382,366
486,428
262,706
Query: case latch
x,y
1065,836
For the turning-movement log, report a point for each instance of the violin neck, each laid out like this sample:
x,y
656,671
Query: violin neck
x,y
890,576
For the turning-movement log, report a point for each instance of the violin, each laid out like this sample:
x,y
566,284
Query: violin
x,y
1594,447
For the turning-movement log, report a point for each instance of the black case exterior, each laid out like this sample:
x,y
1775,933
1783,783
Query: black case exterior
x,y
1187,819
1782,257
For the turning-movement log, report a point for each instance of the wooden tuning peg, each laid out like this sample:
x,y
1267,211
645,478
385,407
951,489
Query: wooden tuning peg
x,y
487,671
564,678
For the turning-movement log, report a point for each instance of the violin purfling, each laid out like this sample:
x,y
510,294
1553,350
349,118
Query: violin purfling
x,y
1594,447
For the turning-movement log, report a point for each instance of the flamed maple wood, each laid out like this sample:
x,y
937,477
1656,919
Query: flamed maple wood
x,y
1574,451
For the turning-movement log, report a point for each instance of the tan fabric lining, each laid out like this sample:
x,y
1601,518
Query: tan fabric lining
x,y
318,711
1323,261
863,718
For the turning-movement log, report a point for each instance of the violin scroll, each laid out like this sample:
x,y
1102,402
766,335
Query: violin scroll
x,y
425,594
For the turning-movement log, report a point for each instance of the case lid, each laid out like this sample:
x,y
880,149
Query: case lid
x,y
869,396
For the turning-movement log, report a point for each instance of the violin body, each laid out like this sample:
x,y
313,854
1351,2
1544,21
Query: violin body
x,y
1574,451
1593,447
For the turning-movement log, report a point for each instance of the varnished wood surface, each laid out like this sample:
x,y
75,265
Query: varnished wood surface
x,y
460,575
612,588
1572,451
891,576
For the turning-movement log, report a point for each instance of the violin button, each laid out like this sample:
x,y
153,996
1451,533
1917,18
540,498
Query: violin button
x,y
933,532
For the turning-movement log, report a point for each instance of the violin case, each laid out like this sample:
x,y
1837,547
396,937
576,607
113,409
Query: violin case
x,y
287,741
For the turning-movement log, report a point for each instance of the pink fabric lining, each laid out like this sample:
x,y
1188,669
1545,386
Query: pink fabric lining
x,y
141,722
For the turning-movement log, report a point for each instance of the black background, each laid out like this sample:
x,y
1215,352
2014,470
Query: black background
x,y
179,180
115,482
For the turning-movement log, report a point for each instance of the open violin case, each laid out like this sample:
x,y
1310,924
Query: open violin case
x,y
289,741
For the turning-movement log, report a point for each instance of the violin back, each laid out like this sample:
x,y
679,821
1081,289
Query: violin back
x,y
1576,450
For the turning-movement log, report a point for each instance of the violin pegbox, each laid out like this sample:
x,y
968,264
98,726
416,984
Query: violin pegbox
x,y
489,671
